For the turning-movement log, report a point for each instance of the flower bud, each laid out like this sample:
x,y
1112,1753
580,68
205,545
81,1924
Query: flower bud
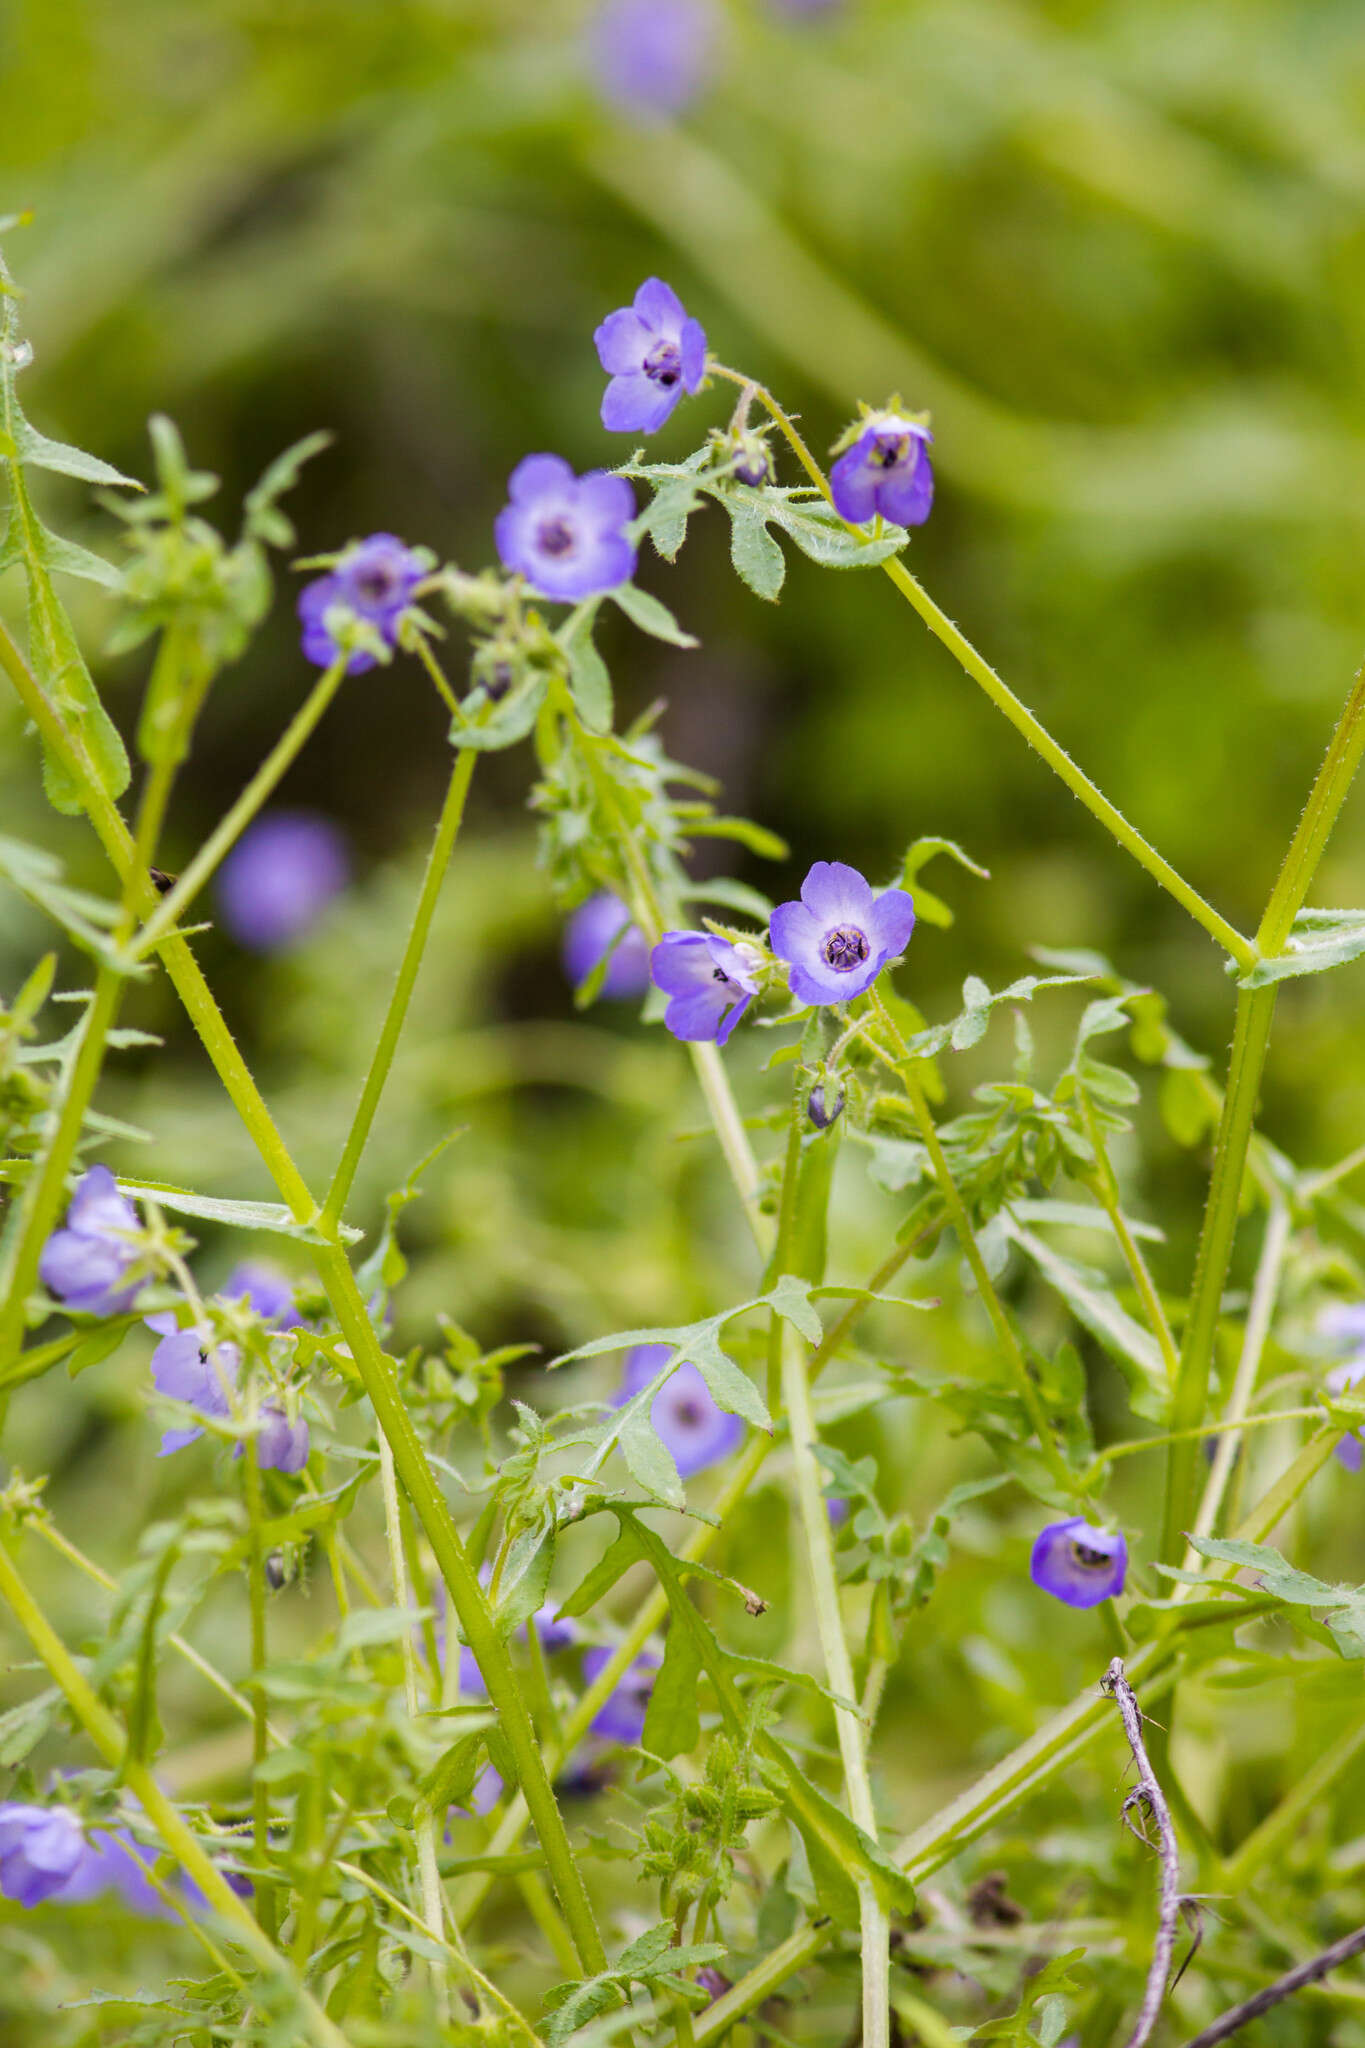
x,y
825,1105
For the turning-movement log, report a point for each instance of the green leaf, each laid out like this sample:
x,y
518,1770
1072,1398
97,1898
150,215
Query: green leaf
x,y
651,616
673,1717
264,521
36,450
757,838
757,558
525,1578
650,1463
790,1298
1090,1300
1319,941
599,1580
977,1003
588,677
271,1216
486,727
728,1387
820,533
665,522
931,909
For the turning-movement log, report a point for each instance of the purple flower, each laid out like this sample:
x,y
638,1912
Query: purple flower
x,y
886,470
280,877
709,983
652,352
653,56
187,1368
41,1849
264,1288
602,925
282,1445
1340,1380
374,579
115,1862
1078,1563
621,1717
564,533
839,937
685,1417
554,1634
86,1262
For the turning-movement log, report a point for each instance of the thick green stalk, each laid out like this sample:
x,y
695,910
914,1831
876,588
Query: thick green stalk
x,y
1017,712
108,1739
1251,1038
447,829
1263,1292
239,815
874,1926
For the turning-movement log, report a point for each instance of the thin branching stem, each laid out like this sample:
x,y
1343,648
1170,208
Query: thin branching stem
x,y
1151,1800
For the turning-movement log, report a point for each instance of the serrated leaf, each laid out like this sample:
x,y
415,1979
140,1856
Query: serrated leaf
x,y
820,534
651,1464
790,1298
757,558
728,1387
487,728
652,617
525,1578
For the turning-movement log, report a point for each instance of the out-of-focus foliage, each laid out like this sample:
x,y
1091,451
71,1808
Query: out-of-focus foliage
x,y
1119,251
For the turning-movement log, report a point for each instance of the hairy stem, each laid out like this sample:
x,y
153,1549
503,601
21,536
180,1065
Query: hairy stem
x,y
447,829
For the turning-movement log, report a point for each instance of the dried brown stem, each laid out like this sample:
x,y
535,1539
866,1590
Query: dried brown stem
x,y
1239,2016
1149,1799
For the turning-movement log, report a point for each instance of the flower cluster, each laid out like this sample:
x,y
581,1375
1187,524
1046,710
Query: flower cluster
x,y
369,586
834,942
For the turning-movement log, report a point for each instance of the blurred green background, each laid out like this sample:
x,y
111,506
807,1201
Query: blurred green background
x,y
1118,249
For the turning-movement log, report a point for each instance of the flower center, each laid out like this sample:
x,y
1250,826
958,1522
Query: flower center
x,y
844,948
664,363
555,536
1090,1560
689,1414
890,449
719,974
376,586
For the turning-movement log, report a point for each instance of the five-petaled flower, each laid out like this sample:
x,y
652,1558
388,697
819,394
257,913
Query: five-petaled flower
x,y
187,1366
566,534
1079,1564
887,470
652,352
709,983
1344,1323
280,877
621,1717
687,1421
87,1263
372,580
839,937
601,926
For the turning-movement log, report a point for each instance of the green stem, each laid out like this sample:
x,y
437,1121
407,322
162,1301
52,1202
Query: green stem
x,y
44,1197
1264,1290
873,1923
1279,1826
235,821
467,1598
108,1739
1107,1189
447,829
1018,713
971,1251
266,1903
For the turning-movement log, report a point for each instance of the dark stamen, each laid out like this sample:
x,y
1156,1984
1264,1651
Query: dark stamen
x,y
719,974
664,364
1091,1560
555,537
845,948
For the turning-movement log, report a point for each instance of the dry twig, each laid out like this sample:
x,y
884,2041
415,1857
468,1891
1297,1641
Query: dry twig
x,y
1293,1980
1148,1799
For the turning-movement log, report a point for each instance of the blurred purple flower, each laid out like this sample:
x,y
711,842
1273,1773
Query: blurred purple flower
x,y
41,1849
374,579
839,937
686,1419
265,1288
85,1262
652,353
1079,1564
887,470
603,923
282,1445
187,1368
1344,1324
709,983
838,1510
564,533
115,1862
653,56
280,877
621,1717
